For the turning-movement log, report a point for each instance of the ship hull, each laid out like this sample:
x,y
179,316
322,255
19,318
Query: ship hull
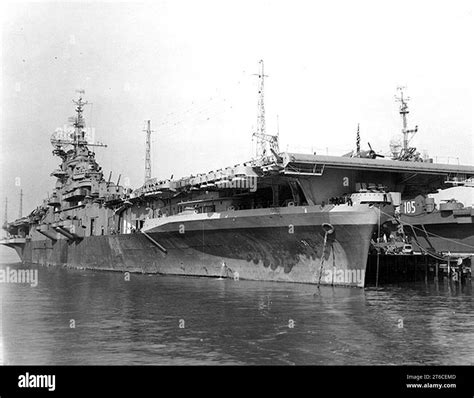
x,y
444,238
442,233
289,246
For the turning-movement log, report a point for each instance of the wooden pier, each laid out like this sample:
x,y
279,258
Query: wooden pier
x,y
386,269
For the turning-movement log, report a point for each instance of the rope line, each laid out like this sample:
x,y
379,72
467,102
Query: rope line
x,y
429,233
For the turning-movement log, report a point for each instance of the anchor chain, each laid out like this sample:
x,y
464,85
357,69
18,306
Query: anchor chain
x,y
329,229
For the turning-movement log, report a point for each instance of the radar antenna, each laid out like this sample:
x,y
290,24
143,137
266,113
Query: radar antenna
x,y
62,139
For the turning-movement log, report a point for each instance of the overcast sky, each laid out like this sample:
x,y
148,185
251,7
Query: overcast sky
x,y
188,66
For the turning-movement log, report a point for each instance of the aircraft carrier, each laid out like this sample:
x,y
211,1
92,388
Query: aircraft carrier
x,y
277,217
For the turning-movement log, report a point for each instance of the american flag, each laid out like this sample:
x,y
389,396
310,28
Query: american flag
x,y
358,140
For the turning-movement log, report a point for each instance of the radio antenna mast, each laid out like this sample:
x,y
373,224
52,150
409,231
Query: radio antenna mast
x,y
263,139
148,132
404,112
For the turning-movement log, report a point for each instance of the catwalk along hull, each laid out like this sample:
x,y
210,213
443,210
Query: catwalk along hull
x,y
279,244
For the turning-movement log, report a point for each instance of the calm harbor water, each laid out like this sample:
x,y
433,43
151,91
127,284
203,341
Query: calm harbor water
x,y
75,317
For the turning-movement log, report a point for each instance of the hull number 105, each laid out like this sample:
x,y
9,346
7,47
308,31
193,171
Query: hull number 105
x,y
409,207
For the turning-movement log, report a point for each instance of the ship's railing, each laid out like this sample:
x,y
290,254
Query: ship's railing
x,y
446,160
302,168
460,180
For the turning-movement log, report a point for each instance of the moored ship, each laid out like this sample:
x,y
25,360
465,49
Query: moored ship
x,y
278,217
438,229
445,229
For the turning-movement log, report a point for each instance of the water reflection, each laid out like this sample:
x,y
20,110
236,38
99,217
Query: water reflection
x,y
85,317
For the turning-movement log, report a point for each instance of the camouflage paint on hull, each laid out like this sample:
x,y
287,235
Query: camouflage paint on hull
x,y
272,249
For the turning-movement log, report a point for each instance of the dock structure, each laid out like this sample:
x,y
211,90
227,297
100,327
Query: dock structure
x,y
383,269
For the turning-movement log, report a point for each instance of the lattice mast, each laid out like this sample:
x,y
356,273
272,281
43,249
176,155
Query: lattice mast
x,y
264,141
407,133
79,122
78,138
148,131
